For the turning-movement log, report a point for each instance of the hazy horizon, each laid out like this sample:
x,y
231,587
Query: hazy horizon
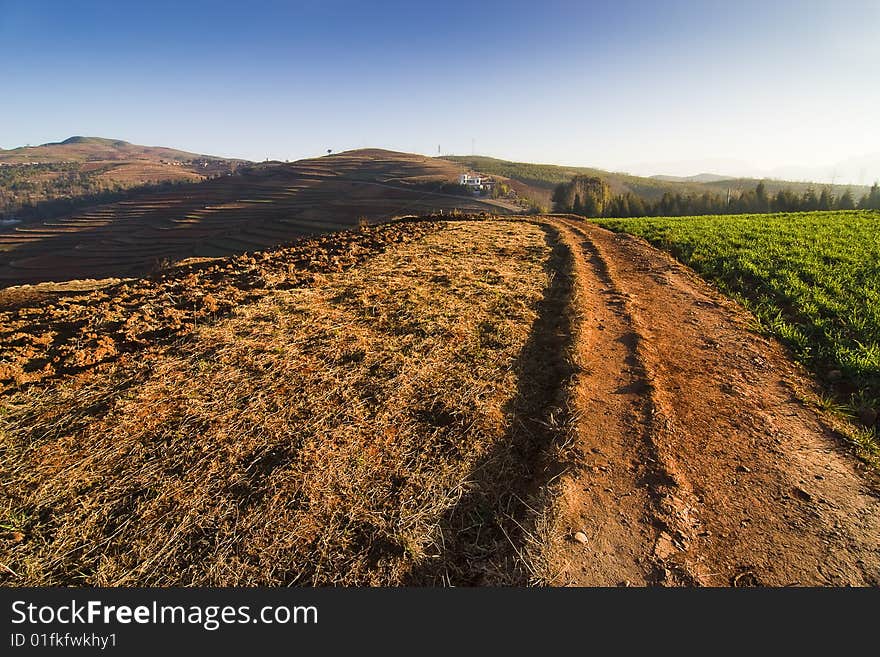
x,y
781,89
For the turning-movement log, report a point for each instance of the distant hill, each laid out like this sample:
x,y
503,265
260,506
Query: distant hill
x,y
260,206
539,180
91,149
55,177
699,178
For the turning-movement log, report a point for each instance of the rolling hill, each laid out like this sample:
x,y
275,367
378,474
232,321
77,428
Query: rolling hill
x,y
698,178
260,206
94,149
46,180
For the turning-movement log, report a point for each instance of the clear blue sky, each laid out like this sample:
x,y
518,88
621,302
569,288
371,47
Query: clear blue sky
x,y
612,84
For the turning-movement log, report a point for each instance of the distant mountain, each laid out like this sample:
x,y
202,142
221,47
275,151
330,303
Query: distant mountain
x,y
699,178
864,170
89,140
56,177
95,149
859,171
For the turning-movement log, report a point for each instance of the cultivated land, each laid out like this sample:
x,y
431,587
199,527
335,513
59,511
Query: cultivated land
x,y
260,207
504,401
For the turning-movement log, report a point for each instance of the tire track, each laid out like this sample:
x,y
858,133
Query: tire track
x,y
738,481
650,515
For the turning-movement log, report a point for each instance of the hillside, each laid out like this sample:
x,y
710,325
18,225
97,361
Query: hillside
x,y
48,180
260,206
505,401
538,180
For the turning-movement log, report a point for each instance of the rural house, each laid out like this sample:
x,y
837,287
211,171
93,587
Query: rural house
x,y
475,182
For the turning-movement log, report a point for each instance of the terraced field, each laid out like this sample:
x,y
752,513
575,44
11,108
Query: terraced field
x,y
266,206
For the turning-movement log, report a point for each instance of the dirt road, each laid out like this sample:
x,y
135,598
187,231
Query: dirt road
x,y
703,464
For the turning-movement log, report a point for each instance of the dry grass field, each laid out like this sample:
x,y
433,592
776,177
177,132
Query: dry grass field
x,y
350,430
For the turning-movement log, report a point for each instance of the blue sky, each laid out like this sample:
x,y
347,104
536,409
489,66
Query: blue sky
x,y
642,86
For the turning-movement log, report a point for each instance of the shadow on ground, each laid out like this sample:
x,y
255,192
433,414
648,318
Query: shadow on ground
x,y
484,539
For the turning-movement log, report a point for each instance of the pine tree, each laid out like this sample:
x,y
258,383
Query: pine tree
x,y
637,207
762,202
846,201
591,207
780,202
871,200
560,198
810,202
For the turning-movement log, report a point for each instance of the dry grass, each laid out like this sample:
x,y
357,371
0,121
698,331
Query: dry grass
x,y
48,331
371,428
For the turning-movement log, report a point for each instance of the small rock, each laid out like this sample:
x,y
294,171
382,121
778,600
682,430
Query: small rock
x,y
802,495
664,547
742,468
580,537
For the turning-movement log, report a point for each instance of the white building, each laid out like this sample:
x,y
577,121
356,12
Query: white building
x,y
474,182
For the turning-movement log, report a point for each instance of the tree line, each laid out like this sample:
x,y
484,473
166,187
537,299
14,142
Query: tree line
x,y
591,197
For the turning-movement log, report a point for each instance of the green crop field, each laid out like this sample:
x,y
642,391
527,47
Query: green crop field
x,y
812,279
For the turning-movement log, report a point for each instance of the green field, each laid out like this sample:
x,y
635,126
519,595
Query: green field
x,y
812,279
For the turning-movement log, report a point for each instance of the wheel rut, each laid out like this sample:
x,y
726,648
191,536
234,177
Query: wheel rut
x,y
631,540
700,463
